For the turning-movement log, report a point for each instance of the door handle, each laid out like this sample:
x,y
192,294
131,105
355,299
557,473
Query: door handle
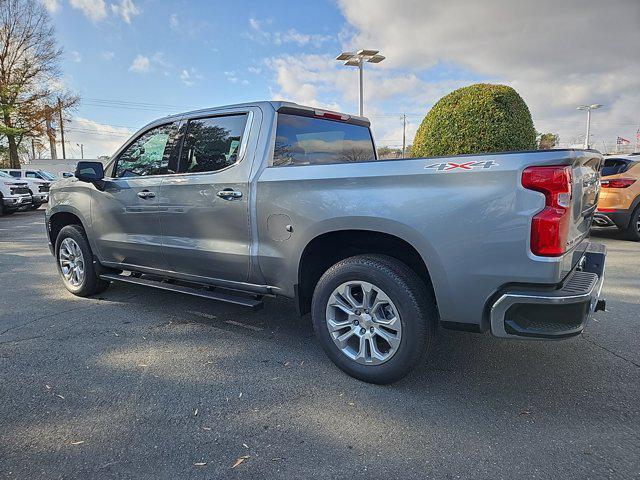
x,y
146,194
229,194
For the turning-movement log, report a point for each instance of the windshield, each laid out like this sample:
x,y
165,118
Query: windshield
x,y
47,175
6,175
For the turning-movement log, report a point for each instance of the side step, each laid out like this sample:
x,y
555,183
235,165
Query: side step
x,y
203,291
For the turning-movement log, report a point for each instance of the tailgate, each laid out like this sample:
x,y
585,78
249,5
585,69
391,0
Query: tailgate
x,y
585,171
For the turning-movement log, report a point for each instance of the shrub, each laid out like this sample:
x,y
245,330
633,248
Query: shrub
x,y
480,118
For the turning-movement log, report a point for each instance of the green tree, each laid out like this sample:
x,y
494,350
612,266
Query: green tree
x,y
546,141
389,152
480,118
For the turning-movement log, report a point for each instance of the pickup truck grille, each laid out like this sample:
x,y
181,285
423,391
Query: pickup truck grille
x,y
43,188
19,190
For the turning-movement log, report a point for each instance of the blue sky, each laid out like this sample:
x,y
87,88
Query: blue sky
x,y
160,57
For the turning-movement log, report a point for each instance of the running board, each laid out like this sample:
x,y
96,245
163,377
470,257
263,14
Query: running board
x,y
200,291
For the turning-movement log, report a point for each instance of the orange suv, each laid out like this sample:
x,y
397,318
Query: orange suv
x,y
619,203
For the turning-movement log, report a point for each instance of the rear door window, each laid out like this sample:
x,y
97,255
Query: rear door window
x,y
316,141
212,144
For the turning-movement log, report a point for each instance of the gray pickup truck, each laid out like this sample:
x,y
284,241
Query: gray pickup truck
x,y
277,199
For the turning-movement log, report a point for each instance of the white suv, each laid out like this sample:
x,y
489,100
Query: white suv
x,y
14,194
38,182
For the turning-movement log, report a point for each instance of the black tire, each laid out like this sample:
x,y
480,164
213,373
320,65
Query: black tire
x,y
3,209
412,298
91,284
633,230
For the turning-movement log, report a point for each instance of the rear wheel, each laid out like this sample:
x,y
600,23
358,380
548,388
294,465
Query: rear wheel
x,y
633,230
75,263
374,317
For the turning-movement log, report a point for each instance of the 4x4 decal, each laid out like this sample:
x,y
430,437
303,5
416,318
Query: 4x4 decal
x,y
448,166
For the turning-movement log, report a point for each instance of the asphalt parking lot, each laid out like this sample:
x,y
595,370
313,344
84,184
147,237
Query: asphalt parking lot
x,y
140,383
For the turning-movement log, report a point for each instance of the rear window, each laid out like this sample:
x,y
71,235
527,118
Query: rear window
x,y
316,141
615,166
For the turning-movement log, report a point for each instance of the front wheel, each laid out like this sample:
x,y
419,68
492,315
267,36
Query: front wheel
x,y
374,317
633,230
75,263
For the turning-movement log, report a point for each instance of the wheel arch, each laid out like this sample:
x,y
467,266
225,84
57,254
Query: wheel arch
x,y
329,247
59,219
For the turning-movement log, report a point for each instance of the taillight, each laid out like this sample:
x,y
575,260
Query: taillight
x,y
617,183
550,227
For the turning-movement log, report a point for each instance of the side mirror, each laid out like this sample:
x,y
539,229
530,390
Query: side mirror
x,y
90,172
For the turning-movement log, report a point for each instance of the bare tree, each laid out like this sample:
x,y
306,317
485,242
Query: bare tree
x,y
29,66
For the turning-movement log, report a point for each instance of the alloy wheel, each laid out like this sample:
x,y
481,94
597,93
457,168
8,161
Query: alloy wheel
x,y
71,262
363,322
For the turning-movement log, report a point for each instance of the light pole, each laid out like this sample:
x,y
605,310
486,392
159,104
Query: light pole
x,y
81,145
588,108
358,59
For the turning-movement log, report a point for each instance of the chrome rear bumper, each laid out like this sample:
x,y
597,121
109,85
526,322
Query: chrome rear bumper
x,y
558,313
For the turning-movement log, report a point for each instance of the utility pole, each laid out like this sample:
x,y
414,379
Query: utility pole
x,y
64,155
33,149
81,145
51,134
404,133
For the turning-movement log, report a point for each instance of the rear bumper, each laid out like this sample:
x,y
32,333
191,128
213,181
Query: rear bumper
x,y
616,218
557,313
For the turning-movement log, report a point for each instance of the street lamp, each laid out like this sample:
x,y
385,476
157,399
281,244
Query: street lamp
x,y
588,108
358,59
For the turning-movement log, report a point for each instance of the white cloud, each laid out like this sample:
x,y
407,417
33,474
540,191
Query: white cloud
x,y
160,60
126,9
94,10
254,70
107,55
556,54
98,138
51,5
233,77
292,35
189,77
174,23
140,64
76,57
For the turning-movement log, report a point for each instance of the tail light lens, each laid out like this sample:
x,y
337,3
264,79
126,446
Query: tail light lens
x,y
617,183
550,227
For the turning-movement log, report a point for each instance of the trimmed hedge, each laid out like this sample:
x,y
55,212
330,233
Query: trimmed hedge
x,y
480,118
